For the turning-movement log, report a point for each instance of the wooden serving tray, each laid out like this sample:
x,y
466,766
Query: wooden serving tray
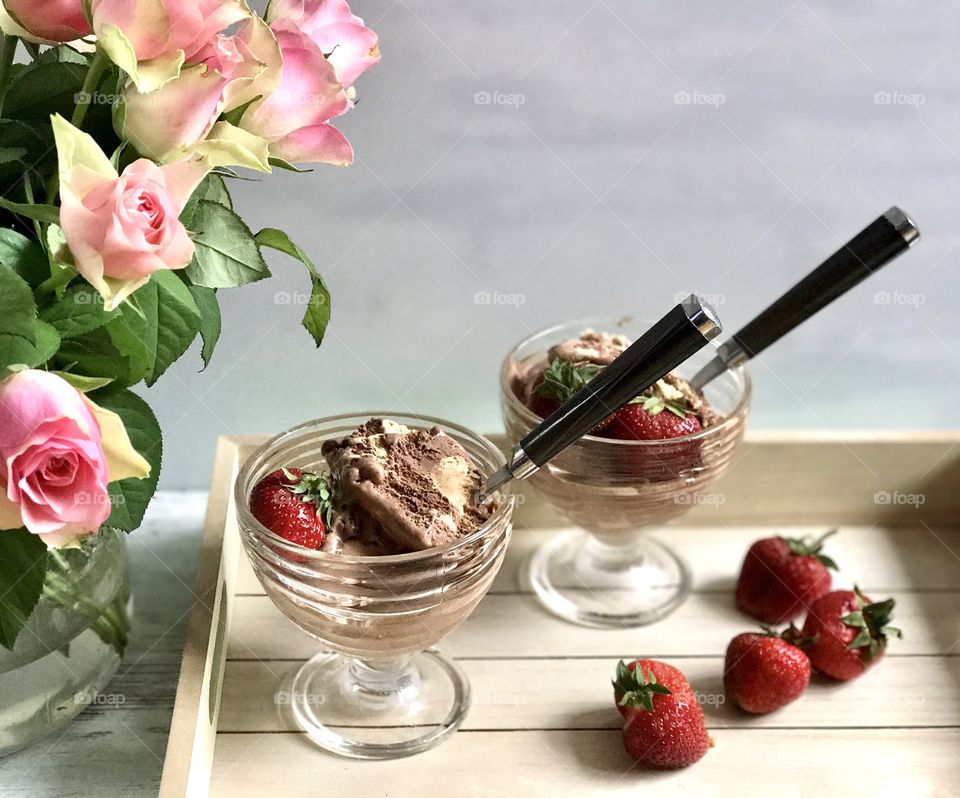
x,y
543,721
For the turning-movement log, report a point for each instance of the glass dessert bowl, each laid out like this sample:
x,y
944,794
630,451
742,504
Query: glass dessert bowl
x,y
379,689
610,571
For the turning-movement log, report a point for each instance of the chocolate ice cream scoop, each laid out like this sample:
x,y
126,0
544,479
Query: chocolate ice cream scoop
x,y
418,486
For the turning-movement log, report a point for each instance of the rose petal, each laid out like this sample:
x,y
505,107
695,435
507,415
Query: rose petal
x,y
316,144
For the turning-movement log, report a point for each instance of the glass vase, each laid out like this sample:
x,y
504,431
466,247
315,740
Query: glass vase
x,y
71,644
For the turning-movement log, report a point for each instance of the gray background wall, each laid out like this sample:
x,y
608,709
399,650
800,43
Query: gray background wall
x,y
597,189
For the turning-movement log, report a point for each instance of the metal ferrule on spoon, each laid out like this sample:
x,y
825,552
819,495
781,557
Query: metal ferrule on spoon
x,y
681,333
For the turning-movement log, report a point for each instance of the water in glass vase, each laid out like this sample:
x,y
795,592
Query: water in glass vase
x,y
71,645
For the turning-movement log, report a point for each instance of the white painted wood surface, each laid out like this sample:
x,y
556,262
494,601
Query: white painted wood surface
x,y
543,722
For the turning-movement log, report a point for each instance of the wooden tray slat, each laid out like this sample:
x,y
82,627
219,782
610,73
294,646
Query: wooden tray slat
x,y
557,694
509,625
893,558
744,763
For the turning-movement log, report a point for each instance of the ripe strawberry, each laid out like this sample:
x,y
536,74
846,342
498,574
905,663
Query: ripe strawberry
x,y
644,419
558,383
849,633
764,671
293,504
664,722
540,403
782,576
650,418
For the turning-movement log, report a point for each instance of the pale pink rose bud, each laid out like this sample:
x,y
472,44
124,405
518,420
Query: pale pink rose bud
x,y
121,228
47,20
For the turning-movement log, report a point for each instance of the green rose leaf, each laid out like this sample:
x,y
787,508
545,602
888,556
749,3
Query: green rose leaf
x,y
23,339
226,253
78,311
173,323
282,164
24,256
130,335
25,147
99,354
63,55
129,497
212,188
23,565
18,311
45,346
81,383
206,299
51,86
317,316
43,89
49,214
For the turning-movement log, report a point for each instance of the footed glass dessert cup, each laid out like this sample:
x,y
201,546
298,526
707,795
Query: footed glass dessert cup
x,y
611,571
378,689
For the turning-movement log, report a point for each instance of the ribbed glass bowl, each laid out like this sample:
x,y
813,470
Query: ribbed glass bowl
x,y
377,616
612,573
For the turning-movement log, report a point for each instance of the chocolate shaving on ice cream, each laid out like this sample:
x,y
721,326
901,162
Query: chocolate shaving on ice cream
x,y
417,487
591,347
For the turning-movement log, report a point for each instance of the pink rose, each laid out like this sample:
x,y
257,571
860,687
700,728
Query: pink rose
x,y
228,71
58,452
151,39
120,229
350,46
294,118
49,20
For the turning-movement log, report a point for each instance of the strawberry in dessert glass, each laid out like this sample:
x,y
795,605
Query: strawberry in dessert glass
x,y
368,531
639,469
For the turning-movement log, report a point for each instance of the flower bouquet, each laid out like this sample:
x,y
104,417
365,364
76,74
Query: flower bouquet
x,y
122,123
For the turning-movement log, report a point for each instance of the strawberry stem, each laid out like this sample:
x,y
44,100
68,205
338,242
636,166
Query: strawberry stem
x,y
562,379
313,489
637,690
873,622
812,547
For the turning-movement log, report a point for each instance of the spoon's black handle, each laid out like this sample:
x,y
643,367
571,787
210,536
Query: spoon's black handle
x,y
673,339
871,248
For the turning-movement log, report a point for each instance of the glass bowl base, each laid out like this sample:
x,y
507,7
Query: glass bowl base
x,y
379,710
623,581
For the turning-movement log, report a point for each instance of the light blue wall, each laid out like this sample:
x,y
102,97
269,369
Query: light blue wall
x,y
601,193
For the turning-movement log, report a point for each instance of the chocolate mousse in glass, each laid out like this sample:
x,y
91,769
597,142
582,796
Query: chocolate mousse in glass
x,y
409,551
610,571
